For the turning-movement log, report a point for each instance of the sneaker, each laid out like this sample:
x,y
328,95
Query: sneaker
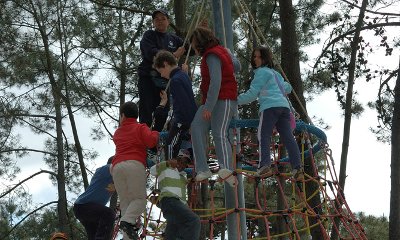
x,y
151,156
265,171
298,174
129,229
226,175
202,176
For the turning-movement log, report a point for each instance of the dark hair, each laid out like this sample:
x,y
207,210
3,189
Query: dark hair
x,y
129,109
204,39
266,57
110,159
164,56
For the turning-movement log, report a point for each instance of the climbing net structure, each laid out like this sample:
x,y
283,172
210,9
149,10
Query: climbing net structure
x,y
273,207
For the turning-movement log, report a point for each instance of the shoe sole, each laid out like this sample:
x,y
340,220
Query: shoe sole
x,y
203,178
228,177
299,178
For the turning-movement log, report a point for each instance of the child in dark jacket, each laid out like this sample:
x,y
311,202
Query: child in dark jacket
x,y
182,100
90,207
150,81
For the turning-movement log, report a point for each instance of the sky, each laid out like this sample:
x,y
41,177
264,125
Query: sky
x,y
367,187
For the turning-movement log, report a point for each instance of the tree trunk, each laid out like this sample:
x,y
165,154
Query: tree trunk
x,y
64,58
290,55
122,70
280,221
180,19
394,217
290,58
348,107
62,195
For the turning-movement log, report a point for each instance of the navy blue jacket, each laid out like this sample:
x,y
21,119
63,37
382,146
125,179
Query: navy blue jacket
x,y
184,105
182,99
97,191
153,41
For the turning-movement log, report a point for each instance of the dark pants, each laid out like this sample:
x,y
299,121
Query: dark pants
x,y
280,118
149,99
182,222
97,219
176,135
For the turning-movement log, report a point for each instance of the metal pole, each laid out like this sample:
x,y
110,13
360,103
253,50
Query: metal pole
x,y
223,30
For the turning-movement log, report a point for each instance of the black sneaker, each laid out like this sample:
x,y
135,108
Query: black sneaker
x,y
129,229
151,156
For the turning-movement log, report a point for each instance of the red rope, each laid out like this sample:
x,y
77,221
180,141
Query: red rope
x,y
334,199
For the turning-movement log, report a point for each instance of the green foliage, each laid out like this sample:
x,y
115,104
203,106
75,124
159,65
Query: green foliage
x,y
376,228
40,225
13,208
384,106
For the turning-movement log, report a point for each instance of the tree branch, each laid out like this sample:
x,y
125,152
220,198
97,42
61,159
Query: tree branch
x,y
374,12
28,149
26,179
338,38
37,128
31,115
105,4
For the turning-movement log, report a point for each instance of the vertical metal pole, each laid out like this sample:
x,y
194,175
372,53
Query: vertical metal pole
x,y
224,32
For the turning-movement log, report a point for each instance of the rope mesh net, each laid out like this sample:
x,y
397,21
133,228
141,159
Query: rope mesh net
x,y
275,207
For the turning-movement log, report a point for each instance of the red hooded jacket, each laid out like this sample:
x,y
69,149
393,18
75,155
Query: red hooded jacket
x,y
131,141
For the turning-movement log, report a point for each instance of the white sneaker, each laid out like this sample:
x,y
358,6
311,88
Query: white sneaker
x,y
226,175
203,175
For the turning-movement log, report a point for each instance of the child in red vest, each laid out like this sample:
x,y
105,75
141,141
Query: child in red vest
x,y
219,94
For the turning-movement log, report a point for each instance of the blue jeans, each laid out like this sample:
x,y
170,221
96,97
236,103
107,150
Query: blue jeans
x,y
182,222
280,118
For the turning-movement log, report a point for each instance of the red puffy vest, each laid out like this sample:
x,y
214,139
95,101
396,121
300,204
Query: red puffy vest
x,y
228,88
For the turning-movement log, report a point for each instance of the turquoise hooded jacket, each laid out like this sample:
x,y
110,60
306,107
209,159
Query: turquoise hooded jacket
x,y
265,88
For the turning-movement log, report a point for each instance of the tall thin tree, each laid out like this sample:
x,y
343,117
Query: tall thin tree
x,y
394,218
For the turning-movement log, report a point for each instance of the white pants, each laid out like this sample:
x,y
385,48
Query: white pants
x,y
130,183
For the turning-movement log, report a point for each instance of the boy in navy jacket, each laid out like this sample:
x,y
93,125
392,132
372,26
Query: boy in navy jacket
x,y
182,100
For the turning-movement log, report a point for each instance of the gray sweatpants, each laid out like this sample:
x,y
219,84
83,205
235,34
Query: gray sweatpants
x,y
221,116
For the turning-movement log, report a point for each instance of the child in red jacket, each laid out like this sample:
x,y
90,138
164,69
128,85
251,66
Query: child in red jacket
x,y
131,140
